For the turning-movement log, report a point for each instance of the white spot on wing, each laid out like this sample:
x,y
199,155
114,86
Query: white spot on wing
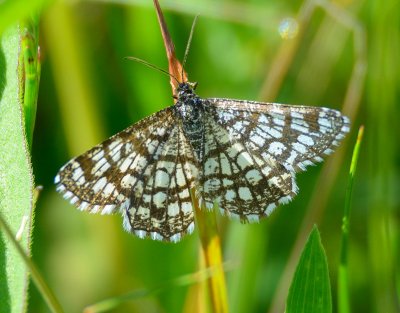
x,y
276,148
253,176
186,208
128,181
127,162
299,128
230,195
272,131
101,167
324,122
162,179
139,163
180,176
225,165
184,194
114,143
98,155
244,193
244,160
159,199
306,140
173,209
99,185
116,156
107,191
299,147
77,173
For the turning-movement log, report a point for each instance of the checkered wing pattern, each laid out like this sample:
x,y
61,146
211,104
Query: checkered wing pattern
x,y
163,210
254,149
294,136
131,172
244,185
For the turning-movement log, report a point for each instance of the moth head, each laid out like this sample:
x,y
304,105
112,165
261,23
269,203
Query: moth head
x,y
186,88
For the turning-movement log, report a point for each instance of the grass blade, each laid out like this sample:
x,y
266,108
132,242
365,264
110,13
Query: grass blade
x,y
343,287
184,280
37,278
310,290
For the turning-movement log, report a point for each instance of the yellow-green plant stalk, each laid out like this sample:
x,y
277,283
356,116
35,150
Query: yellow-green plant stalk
x,y
343,279
211,248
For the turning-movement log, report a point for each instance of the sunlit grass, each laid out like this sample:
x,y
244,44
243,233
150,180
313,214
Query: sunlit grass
x,y
343,275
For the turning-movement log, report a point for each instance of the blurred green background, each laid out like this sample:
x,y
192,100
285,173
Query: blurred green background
x,y
344,55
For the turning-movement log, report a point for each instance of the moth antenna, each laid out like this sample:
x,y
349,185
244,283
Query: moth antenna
x,y
188,44
152,66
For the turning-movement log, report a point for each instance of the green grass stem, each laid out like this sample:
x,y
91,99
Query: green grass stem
x,y
184,280
343,279
211,248
37,278
29,69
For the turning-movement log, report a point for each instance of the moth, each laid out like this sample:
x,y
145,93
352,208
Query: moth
x,y
241,156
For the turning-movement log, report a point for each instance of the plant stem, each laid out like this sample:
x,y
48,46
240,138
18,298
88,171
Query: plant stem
x,y
211,247
37,278
343,279
29,69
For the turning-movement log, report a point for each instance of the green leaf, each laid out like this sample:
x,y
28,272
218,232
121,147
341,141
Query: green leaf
x,y
310,291
16,178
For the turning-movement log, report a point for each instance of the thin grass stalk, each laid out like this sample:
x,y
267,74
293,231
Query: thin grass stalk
x,y
37,277
174,66
184,280
29,68
343,279
211,247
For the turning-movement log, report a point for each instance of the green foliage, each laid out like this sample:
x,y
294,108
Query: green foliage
x,y
16,179
310,291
